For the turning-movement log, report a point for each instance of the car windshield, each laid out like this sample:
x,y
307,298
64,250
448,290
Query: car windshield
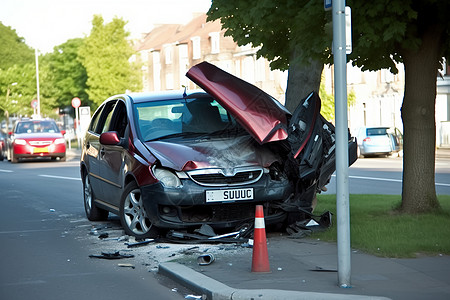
x,y
36,127
181,117
377,131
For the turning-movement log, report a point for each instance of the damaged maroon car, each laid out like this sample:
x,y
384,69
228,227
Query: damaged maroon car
x,y
180,160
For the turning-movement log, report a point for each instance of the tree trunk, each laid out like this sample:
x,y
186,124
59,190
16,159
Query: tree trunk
x,y
418,115
303,78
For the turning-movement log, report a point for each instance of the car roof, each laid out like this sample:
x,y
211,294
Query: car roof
x,y
163,95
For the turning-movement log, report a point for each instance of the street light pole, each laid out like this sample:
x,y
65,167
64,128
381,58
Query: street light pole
x,y
342,191
37,84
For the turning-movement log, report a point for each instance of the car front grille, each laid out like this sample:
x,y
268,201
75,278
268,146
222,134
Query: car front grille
x,y
40,143
218,178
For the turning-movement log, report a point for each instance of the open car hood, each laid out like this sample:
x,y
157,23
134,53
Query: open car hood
x,y
259,113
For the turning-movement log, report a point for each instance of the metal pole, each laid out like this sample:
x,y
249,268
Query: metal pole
x,y
340,95
37,83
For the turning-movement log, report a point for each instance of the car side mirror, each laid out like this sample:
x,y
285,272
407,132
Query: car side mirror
x,y
63,132
110,138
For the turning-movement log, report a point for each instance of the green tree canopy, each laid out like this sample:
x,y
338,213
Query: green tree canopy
x,y
13,50
21,83
105,54
66,73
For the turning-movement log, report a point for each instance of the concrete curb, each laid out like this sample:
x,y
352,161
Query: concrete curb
x,y
215,290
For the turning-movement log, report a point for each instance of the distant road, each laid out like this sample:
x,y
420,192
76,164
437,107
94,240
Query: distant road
x,y
384,176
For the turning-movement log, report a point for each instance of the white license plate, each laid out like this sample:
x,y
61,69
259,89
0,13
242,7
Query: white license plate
x,y
229,195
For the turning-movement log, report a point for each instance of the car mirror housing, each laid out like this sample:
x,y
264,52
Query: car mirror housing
x,y
110,138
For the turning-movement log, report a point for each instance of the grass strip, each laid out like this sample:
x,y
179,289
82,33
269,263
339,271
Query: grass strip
x,y
377,228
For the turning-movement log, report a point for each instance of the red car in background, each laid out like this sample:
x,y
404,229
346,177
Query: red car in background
x,y
36,138
2,146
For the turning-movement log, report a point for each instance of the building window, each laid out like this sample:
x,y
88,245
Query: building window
x,y
168,54
184,63
156,71
196,50
169,81
354,74
260,69
144,55
386,76
215,46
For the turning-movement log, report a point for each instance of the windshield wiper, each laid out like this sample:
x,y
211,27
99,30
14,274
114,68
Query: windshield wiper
x,y
179,134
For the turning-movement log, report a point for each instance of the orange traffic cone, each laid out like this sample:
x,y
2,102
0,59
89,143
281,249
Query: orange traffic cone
x,y
260,260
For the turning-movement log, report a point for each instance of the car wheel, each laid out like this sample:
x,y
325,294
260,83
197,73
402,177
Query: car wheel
x,y
62,158
133,216
93,213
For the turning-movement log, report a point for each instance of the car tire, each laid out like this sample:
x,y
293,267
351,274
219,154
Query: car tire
x,y
133,216
93,213
62,158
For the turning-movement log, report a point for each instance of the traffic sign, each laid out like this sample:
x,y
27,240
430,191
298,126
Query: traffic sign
x,y
34,103
76,102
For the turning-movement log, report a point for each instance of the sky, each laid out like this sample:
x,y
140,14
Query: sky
x,y
47,23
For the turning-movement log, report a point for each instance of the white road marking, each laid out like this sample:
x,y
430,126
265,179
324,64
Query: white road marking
x,y
60,177
387,179
6,171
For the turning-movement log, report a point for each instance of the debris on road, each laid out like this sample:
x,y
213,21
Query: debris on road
x,y
112,255
103,236
141,243
126,266
304,228
205,259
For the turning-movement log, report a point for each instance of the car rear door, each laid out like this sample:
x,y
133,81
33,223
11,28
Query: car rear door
x,y
112,157
93,157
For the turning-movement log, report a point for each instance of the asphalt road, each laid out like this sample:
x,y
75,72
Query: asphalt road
x,y
44,252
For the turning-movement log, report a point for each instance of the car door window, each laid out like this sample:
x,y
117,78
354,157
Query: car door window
x,y
95,119
105,118
119,119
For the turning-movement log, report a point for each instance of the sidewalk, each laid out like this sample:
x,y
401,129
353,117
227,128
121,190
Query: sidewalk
x,y
307,269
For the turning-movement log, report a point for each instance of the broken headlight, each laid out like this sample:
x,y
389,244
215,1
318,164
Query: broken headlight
x,y
166,177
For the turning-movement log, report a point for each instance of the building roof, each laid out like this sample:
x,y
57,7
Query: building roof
x,y
181,34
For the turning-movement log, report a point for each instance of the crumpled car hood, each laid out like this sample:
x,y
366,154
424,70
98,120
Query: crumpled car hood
x,y
191,154
259,113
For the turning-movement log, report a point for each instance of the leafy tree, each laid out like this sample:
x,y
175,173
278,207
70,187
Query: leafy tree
x,y
67,75
21,83
413,32
417,34
105,54
13,50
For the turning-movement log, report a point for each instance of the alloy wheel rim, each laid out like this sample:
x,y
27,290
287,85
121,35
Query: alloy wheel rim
x,y
87,194
134,213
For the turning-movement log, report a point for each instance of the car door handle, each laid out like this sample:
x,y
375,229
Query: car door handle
x,y
102,152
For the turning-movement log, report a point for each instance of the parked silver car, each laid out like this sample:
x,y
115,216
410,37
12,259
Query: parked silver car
x,y
375,141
